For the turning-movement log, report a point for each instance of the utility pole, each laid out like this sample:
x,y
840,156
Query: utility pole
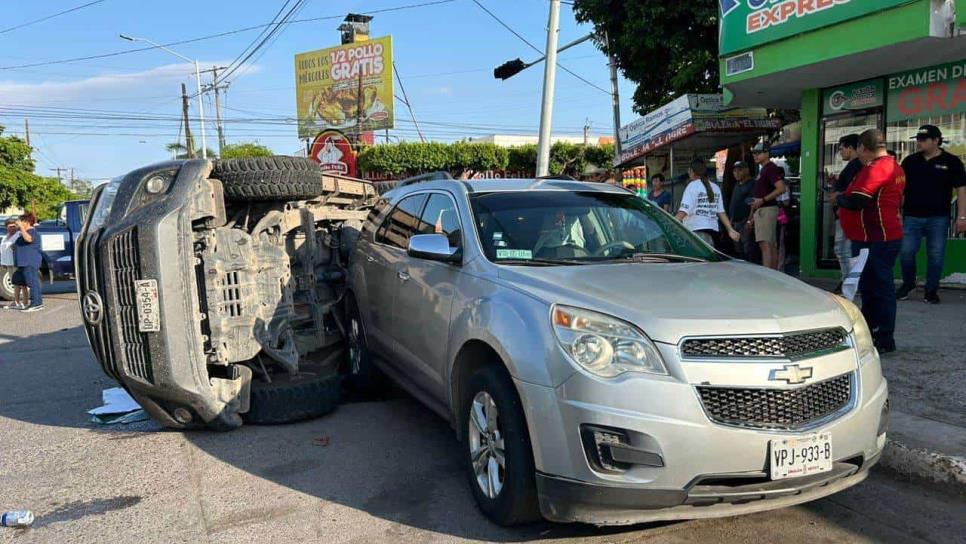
x,y
217,88
587,132
549,77
615,98
26,129
188,141
60,178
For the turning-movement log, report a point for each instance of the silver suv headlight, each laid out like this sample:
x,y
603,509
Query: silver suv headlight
x,y
861,335
604,345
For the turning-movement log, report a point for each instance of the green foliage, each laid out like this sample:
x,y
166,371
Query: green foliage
x,y
19,186
523,159
243,150
667,48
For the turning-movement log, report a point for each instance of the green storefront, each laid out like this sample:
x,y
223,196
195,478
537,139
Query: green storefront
x,y
850,65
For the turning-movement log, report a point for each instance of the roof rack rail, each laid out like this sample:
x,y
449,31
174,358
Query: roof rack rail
x,y
564,177
431,176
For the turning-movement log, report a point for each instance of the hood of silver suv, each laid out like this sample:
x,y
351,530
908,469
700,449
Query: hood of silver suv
x,y
674,300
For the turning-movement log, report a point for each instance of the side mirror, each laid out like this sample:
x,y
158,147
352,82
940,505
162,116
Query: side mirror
x,y
434,247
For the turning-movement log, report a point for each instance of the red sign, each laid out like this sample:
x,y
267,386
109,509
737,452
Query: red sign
x,y
334,153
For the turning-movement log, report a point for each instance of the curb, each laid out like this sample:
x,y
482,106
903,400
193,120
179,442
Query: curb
x,y
948,471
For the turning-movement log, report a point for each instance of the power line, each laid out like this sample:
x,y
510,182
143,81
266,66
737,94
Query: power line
x,y
48,17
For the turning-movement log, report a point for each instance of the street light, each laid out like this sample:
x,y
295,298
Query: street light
x,y
201,107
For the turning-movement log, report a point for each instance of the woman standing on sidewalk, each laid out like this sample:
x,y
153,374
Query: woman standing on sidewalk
x,y
29,259
702,206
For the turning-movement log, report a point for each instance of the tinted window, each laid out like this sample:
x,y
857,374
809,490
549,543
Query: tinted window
x,y
373,218
398,227
440,217
583,226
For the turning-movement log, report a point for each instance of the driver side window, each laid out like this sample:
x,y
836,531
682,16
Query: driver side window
x,y
441,217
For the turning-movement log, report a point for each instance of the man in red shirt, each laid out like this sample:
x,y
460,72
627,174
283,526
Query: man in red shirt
x,y
870,212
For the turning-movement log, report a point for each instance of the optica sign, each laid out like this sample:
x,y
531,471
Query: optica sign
x,y
749,23
927,92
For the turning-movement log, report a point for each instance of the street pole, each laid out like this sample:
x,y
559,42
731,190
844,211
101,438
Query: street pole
x,y
26,130
201,113
188,141
221,129
615,99
549,76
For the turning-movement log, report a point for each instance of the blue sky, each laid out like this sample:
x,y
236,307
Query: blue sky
x,y
445,54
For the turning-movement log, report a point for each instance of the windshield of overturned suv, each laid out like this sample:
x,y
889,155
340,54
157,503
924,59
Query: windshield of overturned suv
x,y
570,227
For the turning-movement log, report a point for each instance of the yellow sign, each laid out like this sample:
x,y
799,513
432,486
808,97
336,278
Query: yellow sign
x,y
348,87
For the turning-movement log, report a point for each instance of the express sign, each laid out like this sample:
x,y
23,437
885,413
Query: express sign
x,y
749,23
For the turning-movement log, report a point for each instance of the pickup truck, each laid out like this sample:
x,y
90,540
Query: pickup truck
x,y
57,237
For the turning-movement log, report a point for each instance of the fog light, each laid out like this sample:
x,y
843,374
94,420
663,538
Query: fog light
x,y
156,184
182,416
883,419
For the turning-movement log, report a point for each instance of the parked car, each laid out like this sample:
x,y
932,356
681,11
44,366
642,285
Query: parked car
x,y
57,237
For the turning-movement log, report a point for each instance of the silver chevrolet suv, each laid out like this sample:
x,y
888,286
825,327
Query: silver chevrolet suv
x,y
600,363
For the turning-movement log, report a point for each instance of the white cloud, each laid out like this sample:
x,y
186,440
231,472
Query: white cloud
x,y
439,90
126,86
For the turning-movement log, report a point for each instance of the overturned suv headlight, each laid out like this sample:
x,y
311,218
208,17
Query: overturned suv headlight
x,y
861,335
604,345
152,188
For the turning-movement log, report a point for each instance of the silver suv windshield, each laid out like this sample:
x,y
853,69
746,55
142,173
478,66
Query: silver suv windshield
x,y
574,227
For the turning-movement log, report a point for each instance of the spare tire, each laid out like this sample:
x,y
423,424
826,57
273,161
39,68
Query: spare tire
x,y
311,393
268,178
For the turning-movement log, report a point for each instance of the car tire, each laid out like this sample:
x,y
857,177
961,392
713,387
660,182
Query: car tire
x,y
6,283
268,178
361,373
515,502
313,392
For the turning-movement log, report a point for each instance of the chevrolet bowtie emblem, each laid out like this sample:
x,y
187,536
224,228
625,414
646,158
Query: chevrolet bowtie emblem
x,y
793,374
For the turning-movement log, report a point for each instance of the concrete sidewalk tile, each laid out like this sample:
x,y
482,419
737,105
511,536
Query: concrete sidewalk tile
x,y
927,450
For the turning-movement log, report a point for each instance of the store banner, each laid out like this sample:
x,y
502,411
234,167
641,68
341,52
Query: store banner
x,y
927,92
345,87
749,23
854,96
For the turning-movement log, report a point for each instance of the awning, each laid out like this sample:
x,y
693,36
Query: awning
x,y
793,149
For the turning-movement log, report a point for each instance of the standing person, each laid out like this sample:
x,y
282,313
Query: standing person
x,y
8,263
932,175
28,257
768,187
702,206
848,151
870,213
739,210
658,195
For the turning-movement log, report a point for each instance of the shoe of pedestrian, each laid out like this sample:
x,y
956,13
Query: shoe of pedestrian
x,y
14,306
903,292
931,298
885,347
36,308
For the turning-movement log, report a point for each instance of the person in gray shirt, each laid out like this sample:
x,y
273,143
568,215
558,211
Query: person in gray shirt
x,y
739,210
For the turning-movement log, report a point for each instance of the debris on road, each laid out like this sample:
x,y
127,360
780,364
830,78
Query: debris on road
x,y
118,408
17,518
321,441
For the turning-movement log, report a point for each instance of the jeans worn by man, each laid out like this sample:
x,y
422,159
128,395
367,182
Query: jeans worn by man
x,y
878,290
934,230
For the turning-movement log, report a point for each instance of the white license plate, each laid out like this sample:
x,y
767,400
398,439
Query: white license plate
x,y
802,456
146,296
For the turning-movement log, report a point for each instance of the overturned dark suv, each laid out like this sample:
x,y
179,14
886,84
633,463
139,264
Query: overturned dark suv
x,y
209,289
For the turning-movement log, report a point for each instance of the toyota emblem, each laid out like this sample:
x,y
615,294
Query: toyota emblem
x,y
93,308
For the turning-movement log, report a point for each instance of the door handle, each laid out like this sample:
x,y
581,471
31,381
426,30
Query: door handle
x,y
370,258
404,276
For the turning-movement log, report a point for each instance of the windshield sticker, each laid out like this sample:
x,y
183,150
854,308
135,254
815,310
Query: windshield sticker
x,y
514,254
500,243
497,235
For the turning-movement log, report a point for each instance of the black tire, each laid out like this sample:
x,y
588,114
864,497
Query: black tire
x,y
361,375
516,503
6,283
268,178
307,395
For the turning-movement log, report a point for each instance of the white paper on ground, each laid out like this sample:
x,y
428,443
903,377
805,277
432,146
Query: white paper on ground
x,y
851,283
116,401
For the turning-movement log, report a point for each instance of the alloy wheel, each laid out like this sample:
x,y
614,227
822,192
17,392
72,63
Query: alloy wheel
x,y
486,444
355,346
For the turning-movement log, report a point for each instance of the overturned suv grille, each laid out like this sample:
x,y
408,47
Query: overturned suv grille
x,y
785,346
766,408
126,268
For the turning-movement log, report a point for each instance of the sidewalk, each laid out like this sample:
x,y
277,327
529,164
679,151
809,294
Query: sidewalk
x,y
927,389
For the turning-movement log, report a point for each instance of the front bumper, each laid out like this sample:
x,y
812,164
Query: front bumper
x,y
705,469
165,371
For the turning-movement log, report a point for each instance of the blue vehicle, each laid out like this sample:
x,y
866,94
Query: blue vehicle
x,y
57,238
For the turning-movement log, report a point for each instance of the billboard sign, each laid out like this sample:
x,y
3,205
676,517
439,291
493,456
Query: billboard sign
x,y
345,87
749,23
334,153
854,96
927,92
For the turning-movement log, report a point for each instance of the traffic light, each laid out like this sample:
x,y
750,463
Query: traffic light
x,y
509,69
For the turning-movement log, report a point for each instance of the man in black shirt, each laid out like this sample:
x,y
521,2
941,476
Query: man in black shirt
x,y
931,176
848,151
739,210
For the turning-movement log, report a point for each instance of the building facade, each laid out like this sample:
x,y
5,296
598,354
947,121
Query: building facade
x,y
850,65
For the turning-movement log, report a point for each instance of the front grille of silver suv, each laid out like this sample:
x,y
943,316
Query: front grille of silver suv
x,y
787,346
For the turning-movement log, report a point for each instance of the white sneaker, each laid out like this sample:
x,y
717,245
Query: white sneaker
x,y
36,308
13,306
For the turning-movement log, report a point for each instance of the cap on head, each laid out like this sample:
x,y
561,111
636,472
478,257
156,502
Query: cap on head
x,y
928,132
740,164
760,147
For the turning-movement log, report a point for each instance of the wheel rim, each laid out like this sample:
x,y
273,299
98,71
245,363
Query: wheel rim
x,y
487,451
8,283
355,346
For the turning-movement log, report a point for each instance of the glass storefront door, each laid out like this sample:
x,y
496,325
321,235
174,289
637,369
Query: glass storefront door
x,y
834,128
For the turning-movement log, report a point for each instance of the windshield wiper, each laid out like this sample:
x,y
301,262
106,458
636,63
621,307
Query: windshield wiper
x,y
541,262
658,257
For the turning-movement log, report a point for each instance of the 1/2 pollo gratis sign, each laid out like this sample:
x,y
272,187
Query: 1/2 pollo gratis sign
x,y
749,23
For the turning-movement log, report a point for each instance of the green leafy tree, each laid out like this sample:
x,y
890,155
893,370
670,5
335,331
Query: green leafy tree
x,y
19,186
667,48
243,150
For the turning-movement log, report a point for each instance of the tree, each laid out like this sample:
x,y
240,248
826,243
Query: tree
x,y
19,186
667,48
245,149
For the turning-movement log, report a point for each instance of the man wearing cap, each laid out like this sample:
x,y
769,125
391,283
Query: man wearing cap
x,y
739,210
932,175
768,187
869,211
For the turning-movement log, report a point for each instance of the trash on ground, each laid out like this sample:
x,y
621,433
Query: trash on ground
x,y
17,518
321,441
118,407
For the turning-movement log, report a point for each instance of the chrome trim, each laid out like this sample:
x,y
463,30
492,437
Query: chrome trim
x,y
847,343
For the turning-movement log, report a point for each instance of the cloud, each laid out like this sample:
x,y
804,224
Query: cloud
x,y
127,86
439,90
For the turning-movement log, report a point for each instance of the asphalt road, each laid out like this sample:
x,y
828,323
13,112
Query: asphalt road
x,y
371,472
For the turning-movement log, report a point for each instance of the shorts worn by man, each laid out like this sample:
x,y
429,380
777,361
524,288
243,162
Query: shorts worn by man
x,y
870,214
769,186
